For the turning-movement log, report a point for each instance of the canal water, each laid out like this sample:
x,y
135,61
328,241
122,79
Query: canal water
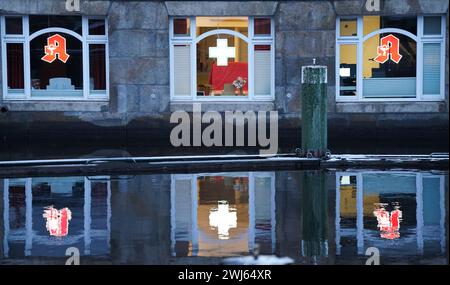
x,y
312,217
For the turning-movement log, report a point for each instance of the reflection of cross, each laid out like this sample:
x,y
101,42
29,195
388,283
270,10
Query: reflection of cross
x,y
222,52
222,219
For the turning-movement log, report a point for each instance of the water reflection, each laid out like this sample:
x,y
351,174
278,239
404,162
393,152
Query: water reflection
x,y
57,221
228,213
312,217
388,222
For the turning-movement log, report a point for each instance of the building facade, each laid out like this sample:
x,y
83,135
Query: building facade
x,y
114,71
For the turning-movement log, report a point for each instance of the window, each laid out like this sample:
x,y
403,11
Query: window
x,y
222,209
382,58
222,58
54,58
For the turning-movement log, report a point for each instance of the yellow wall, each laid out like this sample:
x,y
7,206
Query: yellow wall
x,y
348,202
348,28
347,54
370,23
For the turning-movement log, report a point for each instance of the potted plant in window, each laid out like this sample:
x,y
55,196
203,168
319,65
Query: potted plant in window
x,y
239,83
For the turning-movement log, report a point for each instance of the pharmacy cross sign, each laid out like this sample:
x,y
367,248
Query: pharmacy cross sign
x,y
223,218
222,52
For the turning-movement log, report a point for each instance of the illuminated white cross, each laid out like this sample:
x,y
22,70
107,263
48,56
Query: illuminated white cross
x,y
222,219
222,52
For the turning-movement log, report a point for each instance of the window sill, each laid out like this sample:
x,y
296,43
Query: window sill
x,y
223,106
391,107
57,106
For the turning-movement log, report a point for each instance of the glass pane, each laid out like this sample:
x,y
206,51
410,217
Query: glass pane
x,y
182,69
17,210
263,70
262,26
347,70
238,24
264,228
347,193
96,27
222,66
97,67
432,25
389,66
13,25
431,201
181,27
348,28
58,72
431,68
72,23
14,61
374,23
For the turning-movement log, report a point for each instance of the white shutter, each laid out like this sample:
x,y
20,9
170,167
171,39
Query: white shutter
x,y
262,72
431,68
182,70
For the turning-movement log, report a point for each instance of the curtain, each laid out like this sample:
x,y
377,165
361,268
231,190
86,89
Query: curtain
x,y
15,65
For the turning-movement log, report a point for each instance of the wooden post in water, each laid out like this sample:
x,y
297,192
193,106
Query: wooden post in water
x,y
314,111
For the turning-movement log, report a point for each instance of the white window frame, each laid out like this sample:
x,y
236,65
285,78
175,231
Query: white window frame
x,y
251,41
361,231
25,39
420,39
194,205
31,237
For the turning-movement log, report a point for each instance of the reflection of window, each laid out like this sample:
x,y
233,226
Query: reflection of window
x,y
224,213
420,221
55,57
397,58
25,222
233,58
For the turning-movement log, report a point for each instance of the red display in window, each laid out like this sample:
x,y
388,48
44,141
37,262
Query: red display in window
x,y
262,26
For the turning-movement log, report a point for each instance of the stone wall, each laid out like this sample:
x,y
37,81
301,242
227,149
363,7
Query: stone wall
x,y
139,106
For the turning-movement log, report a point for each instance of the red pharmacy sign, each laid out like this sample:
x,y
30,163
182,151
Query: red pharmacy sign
x,y
389,48
56,47
57,221
388,222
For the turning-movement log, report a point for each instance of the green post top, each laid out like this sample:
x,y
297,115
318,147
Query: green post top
x,y
314,74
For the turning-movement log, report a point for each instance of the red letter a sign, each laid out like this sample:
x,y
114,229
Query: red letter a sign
x,y
56,46
389,47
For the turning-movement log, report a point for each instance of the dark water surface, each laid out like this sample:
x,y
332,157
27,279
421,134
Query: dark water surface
x,y
312,217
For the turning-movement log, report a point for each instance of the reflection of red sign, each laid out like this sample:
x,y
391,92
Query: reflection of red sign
x,y
57,221
389,47
56,47
388,223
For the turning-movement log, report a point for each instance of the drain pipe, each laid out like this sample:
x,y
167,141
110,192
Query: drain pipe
x,y
314,112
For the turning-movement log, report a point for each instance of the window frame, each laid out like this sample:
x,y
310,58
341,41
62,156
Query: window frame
x,y
420,39
192,41
24,39
252,176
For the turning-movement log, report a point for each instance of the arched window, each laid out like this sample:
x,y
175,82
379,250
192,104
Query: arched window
x,y
54,58
382,58
222,58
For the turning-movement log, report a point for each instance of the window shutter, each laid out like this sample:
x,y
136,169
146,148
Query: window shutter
x,y
262,72
431,68
182,70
